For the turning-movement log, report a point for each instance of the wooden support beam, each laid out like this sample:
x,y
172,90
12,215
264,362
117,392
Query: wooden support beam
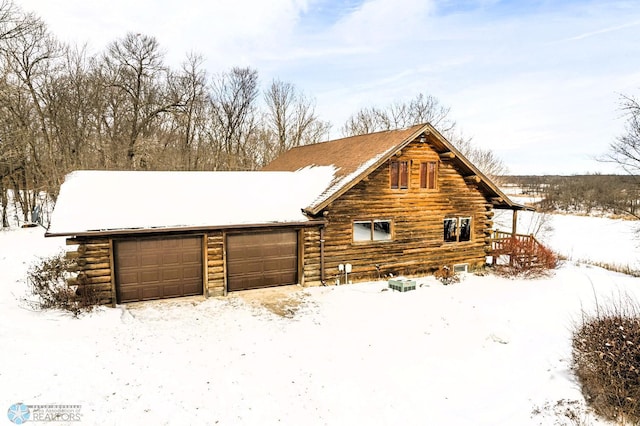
x,y
473,178
450,155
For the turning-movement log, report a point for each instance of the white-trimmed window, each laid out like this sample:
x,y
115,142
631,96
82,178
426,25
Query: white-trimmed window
x,y
372,230
457,229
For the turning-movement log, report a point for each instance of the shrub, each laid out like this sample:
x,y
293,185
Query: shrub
x,y
606,360
528,258
47,280
447,275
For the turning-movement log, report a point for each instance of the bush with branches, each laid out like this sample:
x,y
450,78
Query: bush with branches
x,y
447,275
606,360
47,280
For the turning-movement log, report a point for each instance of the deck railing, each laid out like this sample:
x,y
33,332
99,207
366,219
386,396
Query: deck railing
x,y
520,248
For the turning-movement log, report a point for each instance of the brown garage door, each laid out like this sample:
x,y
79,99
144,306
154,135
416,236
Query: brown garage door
x,y
262,259
158,268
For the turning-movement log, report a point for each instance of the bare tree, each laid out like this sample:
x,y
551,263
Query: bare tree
x,y
625,151
485,159
135,71
30,57
73,99
12,21
29,60
291,118
423,109
184,130
234,115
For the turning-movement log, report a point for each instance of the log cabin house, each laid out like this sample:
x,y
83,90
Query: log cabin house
x,y
400,202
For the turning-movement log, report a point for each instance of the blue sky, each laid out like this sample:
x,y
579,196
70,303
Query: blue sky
x,y
538,82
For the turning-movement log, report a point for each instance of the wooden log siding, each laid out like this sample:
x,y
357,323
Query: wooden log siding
x,y
417,215
93,270
215,264
311,261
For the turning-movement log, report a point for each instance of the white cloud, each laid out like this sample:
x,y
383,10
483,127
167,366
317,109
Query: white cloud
x,y
224,30
383,21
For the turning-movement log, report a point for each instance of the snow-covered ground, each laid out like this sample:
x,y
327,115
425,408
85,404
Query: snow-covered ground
x,y
486,351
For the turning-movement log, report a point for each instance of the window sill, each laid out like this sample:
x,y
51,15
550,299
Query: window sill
x,y
370,242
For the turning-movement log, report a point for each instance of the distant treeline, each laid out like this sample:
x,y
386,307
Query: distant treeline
x,y
618,194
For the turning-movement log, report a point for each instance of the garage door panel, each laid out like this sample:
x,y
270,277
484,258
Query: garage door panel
x,y
280,278
157,267
150,259
127,247
278,264
129,294
128,261
250,281
149,244
192,272
171,290
171,244
152,276
262,259
245,267
171,275
251,250
192,243
192,289
191,257
171,259
128,278
149,292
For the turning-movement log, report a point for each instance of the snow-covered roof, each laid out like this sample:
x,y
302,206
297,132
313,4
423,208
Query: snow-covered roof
x,y
104,201
352,158
355,157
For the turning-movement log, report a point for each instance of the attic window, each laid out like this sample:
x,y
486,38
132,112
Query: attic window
x,y
428,173
399,174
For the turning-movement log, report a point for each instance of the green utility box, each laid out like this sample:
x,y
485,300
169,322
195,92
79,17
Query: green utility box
x,y
402,284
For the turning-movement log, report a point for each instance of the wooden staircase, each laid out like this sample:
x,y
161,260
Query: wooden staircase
x,y
522,251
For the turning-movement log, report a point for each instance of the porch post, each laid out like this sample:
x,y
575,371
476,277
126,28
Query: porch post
x,y
514,231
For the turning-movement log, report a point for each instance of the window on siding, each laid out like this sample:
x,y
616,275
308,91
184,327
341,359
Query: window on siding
x,y
372,230
457,229
465,229
399,174
450,227
428,175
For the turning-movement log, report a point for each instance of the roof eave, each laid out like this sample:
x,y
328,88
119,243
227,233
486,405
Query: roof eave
x,y
182,229
514,206
492,188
